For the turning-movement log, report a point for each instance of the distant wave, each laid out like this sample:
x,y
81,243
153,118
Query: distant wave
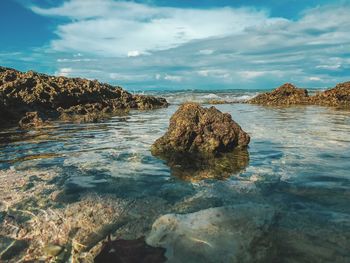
x,y
205,97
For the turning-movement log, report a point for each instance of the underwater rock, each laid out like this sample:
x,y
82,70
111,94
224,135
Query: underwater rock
x,y
190,167
313,235
130,251
31,119
224,234
194,129
287,94
52,250
22,92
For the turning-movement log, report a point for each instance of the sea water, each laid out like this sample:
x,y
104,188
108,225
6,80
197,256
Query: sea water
x,y
298,166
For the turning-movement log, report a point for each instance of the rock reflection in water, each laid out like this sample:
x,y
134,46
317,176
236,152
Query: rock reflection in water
x,y
193,168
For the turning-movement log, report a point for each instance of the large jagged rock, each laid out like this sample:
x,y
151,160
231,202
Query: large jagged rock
x,y
198,130
22,92
287,94
337,96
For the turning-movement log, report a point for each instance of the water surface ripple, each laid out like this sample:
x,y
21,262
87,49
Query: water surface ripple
x,y
299,163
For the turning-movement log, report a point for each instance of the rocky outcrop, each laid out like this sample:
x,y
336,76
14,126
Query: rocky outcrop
x,y
22,92
197,130
203,143
287,94
338,96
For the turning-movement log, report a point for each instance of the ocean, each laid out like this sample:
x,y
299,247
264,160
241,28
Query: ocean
x,y
288,200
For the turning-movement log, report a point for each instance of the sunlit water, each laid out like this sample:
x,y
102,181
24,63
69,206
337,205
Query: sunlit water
x,y
299,164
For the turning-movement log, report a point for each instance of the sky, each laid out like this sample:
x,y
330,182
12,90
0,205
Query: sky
x,y
183,44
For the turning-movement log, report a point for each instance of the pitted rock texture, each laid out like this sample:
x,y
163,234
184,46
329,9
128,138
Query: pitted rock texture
x,y
22,92
287,94
337,96
194,129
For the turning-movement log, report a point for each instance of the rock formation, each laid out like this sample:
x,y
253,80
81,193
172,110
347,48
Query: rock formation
x,y
338,96
287,94
22,92
198,130
203,143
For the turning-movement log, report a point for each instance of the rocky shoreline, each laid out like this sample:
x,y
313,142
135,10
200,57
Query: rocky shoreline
x,y
288,94
30,99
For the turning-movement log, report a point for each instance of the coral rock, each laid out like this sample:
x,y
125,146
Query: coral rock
x,y
287,94
194,129
337,96
22,92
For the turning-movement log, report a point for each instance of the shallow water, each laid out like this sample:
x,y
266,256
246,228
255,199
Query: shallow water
x,y
299,165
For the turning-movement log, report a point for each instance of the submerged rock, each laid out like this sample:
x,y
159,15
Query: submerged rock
x,y
22,92
194,129
287,94
196,167
130,251
31,119
223,234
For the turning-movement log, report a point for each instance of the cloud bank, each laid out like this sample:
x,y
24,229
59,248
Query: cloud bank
x,y
146,46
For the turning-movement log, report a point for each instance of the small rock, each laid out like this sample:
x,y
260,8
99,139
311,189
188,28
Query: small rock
x,y
31,119
53,250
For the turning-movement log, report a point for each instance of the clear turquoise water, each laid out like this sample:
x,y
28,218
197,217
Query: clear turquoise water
x,y
299,164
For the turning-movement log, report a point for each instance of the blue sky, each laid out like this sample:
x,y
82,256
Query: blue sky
x,y
183,44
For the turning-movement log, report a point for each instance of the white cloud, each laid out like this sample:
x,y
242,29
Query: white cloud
x,y
134,53
251,74
329,67
314,78
65,72
173,78
120,28
194,47
215,73
206,51
75,60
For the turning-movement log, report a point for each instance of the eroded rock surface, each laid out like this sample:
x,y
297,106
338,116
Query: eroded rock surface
x,y
22,92
287,94
198,130
337,96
